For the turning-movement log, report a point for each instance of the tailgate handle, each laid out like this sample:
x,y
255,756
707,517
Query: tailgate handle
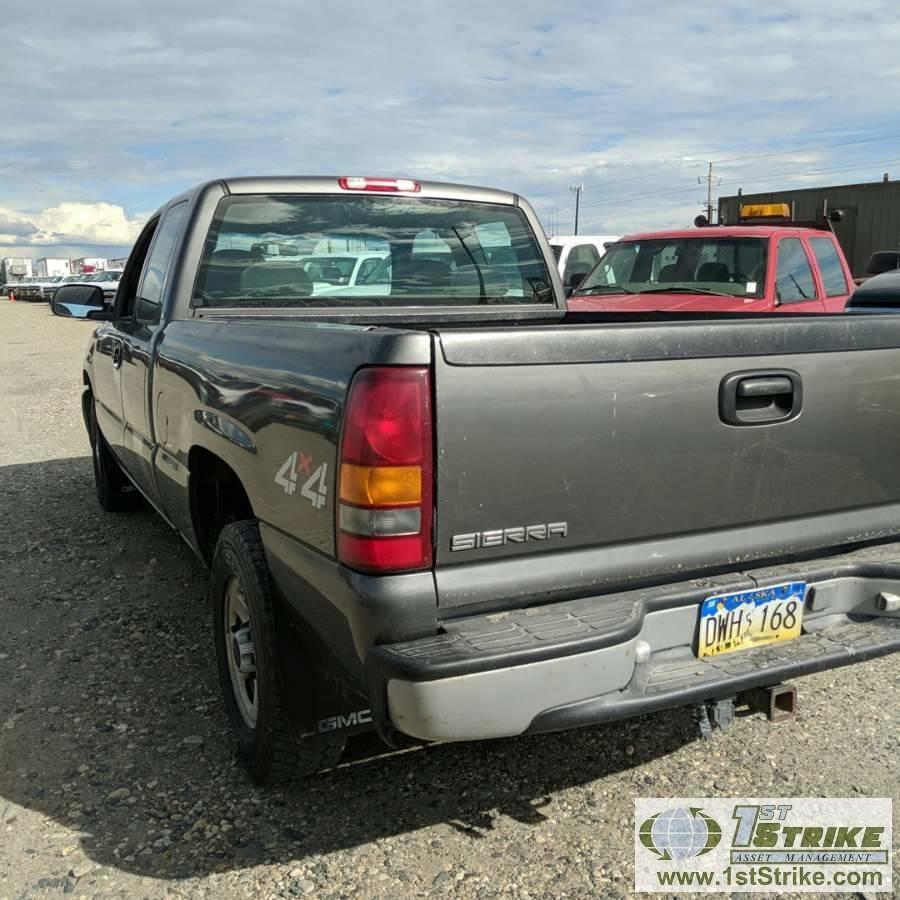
x,y
764,387
760,398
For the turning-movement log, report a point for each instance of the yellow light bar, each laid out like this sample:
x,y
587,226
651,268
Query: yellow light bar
x,y
381,485
766,211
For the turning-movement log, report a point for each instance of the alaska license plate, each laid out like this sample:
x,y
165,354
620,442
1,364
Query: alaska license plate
x,y
748,619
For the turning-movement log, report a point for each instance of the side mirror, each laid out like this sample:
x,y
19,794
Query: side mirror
x,y
80,301
883,261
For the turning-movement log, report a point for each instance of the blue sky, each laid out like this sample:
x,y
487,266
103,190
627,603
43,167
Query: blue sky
x,y
109,108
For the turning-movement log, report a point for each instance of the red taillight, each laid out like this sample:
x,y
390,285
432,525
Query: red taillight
x,y
385,482
380,185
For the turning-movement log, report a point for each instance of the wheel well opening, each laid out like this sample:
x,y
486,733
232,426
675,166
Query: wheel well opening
x,y
217,498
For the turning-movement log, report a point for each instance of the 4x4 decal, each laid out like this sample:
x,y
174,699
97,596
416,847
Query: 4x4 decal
x,y
314,488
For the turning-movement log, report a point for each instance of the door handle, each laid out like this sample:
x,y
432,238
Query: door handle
x,y
117,356
764,387
760,397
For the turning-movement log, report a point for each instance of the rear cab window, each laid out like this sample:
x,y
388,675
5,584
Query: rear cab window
x,y
418,252
834,281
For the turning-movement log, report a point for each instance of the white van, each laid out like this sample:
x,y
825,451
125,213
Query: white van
x,y
577,254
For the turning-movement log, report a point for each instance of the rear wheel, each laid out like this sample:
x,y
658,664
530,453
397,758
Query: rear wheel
x,y
249,671
114,491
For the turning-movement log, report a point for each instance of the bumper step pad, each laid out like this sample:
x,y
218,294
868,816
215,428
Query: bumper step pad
x,y
674,679
851,639
525,634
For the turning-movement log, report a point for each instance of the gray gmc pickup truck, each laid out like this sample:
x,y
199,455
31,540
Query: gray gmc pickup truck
x,y
436,504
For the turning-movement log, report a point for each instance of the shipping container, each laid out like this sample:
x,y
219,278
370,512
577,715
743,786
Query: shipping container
x,y
88,264
15,268
49,266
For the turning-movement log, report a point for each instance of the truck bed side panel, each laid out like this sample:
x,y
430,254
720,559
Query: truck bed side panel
x,y
266,397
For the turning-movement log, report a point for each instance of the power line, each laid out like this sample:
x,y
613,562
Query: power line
x,y
719,162
884,137
813,172
743,179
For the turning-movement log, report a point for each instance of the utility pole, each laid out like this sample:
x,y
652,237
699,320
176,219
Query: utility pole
x,y
577,192
554,220
708,178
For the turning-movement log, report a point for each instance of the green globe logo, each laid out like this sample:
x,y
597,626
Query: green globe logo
x,y
680,833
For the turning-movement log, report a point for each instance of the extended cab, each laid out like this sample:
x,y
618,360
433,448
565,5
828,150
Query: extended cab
x,y
767,263
449,510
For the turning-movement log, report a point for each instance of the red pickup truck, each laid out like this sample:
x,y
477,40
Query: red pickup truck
x,y
767,263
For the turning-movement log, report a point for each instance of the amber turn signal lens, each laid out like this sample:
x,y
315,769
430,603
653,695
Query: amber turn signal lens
x,y
381,485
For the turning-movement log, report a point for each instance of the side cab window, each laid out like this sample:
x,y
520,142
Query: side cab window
x,y
794,281
131,276
831,269
148,306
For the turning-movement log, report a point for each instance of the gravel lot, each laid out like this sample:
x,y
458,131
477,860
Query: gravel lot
x,y
116,772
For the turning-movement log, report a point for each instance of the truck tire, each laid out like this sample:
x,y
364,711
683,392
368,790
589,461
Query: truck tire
x,y
114,491
244,630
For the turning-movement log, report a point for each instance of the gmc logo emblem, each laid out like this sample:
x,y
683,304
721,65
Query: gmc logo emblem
x,y
335,723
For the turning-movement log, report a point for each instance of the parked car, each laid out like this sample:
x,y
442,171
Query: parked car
x,y
342,270
67,279
778,266
577,254
107,280
449,510
37,287
9,287
878,294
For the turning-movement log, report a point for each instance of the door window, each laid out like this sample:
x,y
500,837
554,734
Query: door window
x,y
131,277
366,269
582,258
833,278
149,303
794,278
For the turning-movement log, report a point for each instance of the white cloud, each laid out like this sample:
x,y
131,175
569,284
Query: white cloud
x,y
94,224
520,94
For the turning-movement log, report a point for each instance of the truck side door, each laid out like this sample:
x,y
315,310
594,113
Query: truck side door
x,y
139,335
106,371
795,285
106,385
833,275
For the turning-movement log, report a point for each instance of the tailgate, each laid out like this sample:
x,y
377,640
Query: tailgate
x,y
586,457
